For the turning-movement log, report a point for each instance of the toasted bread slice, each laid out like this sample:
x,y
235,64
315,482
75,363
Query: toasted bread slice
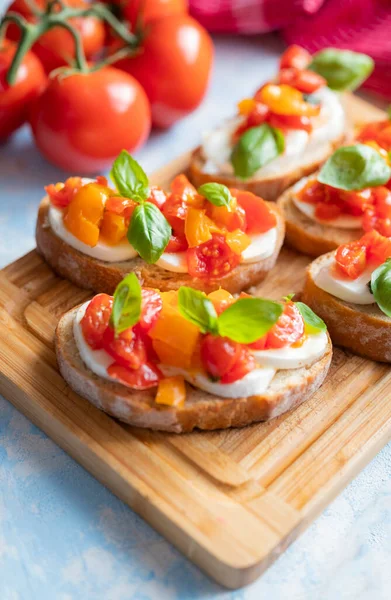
x,y
308,236
363,329
288,389
269,187
100,276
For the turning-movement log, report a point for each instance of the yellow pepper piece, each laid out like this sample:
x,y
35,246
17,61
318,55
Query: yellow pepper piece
x,y
285,100
176,332
85,213
113,228
171,391
220,295
237,240
198,227
246,106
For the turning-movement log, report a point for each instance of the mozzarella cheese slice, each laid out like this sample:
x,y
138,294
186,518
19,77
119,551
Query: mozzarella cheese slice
x,y
262,246
175,262
292,357
350,290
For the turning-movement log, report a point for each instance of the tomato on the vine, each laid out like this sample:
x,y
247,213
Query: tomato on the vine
x,y
147,11
56,47
82,121
211,260
16,99
173,66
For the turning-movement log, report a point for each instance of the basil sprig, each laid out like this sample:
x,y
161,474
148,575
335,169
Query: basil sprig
x,y
149,231
355,168
342,69
313,323
255,148
245,321
126,309
216,193
381,286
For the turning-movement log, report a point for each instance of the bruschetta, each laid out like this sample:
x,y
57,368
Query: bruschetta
x,y
350,290
348,197
178,360
94,235
287,129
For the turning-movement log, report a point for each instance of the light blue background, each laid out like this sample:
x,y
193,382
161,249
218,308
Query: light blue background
x,y
63,536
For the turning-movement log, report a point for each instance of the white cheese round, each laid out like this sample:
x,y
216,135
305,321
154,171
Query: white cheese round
x,y
294,357
350,290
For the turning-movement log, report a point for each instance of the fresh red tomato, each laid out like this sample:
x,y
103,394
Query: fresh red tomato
x,y
152,10
295,56
259,217
177,243
303,80
225,359
378,131
288,330
96,320
127,348
378,215
173,66
378,247
147,376
56,47
352,258
16,99
150,308
62,197
175,210
290,122
157,196
212,259
84,120
327,211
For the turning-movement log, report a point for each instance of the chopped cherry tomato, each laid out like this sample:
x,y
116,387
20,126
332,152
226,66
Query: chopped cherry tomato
x,y
175,210
379,131
177,243
258,115
378,216
219,354
157,196
96,320
352,258
212,260
378,247
288,330
285,100
150,308
143,378
259,217
245,363
326,211
127,348
290,122
61,196
181,186
295,56
118,205
303,80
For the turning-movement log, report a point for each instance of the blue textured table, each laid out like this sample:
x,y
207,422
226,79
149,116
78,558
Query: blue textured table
x,y
63,536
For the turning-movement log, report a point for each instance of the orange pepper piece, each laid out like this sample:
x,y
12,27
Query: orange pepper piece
x,y
246,106
171,391
198,227
113,228
85,213
285,100
237,240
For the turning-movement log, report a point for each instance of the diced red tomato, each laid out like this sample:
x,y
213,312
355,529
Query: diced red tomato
x,y
177,243
118,205
143,378
175,210
326,211
288,330
258,115
352,258
230,220
290,122
295,56
303,80
96,320
127,348
212,259
62,196
181,186
378,215
157,196
259,217
102,180
378,247
225,359
151,306
379,131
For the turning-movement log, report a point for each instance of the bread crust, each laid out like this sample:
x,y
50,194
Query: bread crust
x,y
287,390
268,188
308,236
363,329
100,276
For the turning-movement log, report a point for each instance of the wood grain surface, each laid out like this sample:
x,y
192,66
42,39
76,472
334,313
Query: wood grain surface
x,y
231,500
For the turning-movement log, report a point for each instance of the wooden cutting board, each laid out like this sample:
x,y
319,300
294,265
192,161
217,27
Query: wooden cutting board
x,y
231,500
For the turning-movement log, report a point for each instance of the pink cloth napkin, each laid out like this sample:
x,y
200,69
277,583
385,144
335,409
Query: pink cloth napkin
x,y
361,25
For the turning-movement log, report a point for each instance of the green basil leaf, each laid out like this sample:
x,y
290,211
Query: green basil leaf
x,y
149,232
129,177
126,309
342,69
198,309
248,319
381,287
255,148
313,323
355,168
216,194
